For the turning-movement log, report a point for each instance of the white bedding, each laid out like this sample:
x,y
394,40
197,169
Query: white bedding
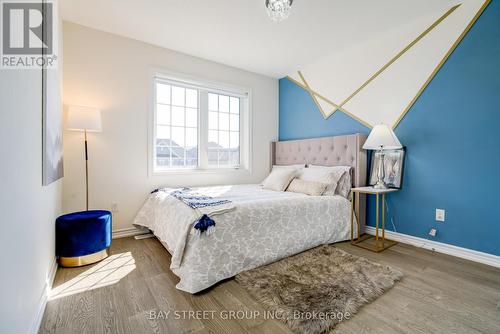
x,y
265,226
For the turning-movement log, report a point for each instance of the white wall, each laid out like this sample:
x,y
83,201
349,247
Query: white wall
x,y
112,73
27,210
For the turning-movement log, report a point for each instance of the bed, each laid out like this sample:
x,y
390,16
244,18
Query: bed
x,y
266,225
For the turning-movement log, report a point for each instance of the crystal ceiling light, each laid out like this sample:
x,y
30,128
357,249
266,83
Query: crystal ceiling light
x,y
278,10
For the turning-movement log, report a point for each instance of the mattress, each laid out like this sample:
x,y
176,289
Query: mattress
x,y
264,227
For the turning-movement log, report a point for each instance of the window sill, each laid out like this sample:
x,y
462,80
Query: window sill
x,y
187,171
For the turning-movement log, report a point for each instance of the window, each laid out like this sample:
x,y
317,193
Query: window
x,y
176,126
223,130
198,126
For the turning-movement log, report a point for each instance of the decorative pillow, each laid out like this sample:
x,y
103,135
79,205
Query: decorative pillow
x,y
306,187
279,178
322,175
339,179
344,185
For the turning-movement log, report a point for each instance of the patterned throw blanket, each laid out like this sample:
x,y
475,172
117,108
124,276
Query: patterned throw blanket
x,y
206,206
196,200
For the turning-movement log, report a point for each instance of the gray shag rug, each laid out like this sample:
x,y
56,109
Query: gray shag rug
x,y
315,290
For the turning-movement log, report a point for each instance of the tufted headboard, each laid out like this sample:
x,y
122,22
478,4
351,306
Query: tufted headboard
x,y
327,151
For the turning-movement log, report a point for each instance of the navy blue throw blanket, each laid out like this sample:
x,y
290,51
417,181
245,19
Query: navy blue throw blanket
x,y
196,201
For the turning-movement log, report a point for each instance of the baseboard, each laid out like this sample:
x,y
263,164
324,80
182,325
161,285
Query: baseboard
x,y
51,275
128,232
464,253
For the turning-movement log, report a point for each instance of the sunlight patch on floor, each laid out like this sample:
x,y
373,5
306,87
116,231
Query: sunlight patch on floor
x,y
107,272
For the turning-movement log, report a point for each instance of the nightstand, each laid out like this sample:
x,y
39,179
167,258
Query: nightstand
x,y
375,243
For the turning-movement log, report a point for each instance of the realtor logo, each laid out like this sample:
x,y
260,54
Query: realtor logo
x,y
28,32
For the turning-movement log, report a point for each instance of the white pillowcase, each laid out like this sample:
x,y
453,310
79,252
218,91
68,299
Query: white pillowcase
x,y
306,187
338,178
320,175
344,185
279,178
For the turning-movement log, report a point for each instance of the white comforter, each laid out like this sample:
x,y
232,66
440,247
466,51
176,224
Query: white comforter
x,y
265,226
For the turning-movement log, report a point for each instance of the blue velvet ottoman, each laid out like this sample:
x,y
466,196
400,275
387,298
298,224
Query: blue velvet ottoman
x,y
83,237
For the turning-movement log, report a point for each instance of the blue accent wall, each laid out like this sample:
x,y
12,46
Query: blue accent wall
x,y
300,118
452,135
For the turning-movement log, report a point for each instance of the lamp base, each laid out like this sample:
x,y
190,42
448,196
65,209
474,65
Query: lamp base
x,y
381,172
380,185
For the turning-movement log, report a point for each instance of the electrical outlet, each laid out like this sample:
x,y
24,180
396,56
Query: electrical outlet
x,y
440,215
433,232
114,207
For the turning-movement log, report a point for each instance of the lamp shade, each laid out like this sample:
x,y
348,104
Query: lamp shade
x,y
84,118
382,138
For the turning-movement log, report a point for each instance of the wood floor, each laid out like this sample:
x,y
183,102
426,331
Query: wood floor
x,y
439,294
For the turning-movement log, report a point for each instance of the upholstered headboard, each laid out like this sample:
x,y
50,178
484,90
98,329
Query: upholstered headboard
x,y
327,151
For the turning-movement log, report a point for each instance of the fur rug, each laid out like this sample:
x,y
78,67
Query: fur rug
x,y
315,290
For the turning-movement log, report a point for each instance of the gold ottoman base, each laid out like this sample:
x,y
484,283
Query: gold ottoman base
x,y
79,261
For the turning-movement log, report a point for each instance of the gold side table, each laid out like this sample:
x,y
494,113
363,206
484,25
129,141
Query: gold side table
x,y
374,243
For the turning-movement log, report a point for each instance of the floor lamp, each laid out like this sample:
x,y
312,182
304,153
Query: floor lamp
x,y
85,119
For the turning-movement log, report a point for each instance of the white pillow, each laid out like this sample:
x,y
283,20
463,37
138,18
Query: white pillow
x,y
320,175
344,185
306,187
341,176
279,178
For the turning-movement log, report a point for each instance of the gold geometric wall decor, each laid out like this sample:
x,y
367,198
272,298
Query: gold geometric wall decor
x,y
393,84
326,113
441,63
327,108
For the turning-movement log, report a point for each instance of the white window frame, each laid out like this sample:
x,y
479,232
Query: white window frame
x,y
245,95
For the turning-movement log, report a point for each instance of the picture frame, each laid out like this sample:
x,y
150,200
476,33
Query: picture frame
x,y
393,165
52,146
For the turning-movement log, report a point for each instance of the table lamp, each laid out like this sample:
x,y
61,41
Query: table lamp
x,y
84,119
381,138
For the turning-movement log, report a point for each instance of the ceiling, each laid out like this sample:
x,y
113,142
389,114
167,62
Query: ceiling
x,y
239,33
